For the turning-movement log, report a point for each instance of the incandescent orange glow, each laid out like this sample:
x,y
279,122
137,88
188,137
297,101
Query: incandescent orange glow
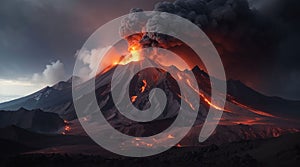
x,y
144,86
133,98
251,121
67,128
206,99
235,102
170,137
149,145
253,110
213,105
179,76
133,57
190,104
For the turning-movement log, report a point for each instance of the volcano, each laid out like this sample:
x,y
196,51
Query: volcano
x,y
247,113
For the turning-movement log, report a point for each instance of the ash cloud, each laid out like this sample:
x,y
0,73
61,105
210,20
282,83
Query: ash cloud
x,y
229,17
256,45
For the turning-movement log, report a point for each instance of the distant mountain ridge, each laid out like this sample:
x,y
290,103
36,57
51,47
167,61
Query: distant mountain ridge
x,y
34,120
46,99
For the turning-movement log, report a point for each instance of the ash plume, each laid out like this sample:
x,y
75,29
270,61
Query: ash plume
x,y
243,35
230,18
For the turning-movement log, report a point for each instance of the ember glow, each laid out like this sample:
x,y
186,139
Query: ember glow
x,y
213,105
179,76
133,98
189,103
170,137
144,86
206,99
134,56
251,121
258,112
67,128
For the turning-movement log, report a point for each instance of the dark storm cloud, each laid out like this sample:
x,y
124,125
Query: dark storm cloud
x,y
285,75
29,37
257,47
34,33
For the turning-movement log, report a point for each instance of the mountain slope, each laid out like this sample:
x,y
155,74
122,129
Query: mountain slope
x,y
58,98
244,106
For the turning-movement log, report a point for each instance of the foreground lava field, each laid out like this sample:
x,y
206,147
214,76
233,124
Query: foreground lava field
x,y
281,151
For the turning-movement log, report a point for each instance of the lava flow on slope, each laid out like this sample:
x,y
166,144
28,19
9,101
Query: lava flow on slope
x,y
235,112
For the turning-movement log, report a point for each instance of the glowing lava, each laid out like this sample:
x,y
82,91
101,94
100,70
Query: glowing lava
x,y
67,128
144,86
251,121
134,56
206,99
170,137
133,98
258,112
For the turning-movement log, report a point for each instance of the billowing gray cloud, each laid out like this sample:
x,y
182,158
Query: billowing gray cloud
x,y
245,38
230,19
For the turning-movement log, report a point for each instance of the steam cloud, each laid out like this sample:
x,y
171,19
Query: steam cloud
x,y
52,74
92,58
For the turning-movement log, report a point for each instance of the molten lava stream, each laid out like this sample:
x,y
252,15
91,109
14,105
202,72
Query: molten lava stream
x,y
133,98
144,86
258,112
134,55
251,121
206,99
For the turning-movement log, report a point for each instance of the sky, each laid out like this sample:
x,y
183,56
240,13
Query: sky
x,y
39,40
